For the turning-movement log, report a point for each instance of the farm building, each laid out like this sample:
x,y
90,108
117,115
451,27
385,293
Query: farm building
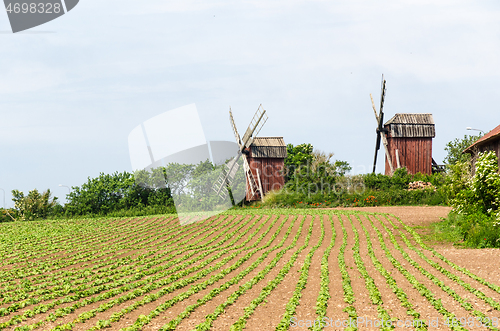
x,y
267,161
488,142
409,140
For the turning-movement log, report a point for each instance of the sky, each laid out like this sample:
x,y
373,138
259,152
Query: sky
x,y
73,89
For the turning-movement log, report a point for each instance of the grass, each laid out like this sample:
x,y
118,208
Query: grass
x,y
440,233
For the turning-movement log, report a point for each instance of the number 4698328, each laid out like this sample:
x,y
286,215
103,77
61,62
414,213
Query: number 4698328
x,y
41,8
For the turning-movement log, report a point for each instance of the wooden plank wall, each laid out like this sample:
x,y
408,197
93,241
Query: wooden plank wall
x,y
495,145
414,153
271,176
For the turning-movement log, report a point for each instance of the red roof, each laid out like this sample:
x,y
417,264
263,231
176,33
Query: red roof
x,y
492,135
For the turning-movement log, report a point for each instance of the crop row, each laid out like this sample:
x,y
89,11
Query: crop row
x,y
152,266
125,286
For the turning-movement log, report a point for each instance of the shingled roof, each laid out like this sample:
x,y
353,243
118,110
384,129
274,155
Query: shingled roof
x,y
411,125
273,147
492,135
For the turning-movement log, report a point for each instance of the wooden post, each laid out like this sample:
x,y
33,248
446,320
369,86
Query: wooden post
x,y
397,159
260,186
386,145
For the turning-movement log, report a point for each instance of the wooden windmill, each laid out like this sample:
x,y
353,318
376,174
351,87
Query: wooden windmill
x,y
254,188
407,139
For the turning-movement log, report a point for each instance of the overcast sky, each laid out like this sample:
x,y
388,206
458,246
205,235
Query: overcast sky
x,y
73,89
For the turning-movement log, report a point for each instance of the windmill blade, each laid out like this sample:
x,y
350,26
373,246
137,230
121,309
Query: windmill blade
x,y
223,182
382,96
380,123
235,131
381,128
232,167
381,113
246,166
377,144
377,147
374,110
258,121
226,177
219,186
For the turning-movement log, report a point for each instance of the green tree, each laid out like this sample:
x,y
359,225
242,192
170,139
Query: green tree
x,y
312,171
297,156
455,148
33,206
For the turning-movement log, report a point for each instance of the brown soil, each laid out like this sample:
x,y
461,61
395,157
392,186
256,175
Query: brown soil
x,y
420,218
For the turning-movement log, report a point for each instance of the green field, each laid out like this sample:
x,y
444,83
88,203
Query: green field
x,y
264,269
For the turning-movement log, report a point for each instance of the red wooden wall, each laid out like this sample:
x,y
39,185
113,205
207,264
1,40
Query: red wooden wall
x,y
271,174
414,153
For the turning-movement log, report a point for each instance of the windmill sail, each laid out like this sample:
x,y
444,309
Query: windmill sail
x,y
226,177
229,172
235,131
258,121
381,132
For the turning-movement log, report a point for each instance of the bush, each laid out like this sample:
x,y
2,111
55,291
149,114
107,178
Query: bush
x,y
120,194
146,192
479,193
476,201
476,230
486,184
7,215
352,198
400,180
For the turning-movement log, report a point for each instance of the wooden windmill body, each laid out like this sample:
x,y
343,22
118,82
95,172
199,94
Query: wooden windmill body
x,y
407,140
266,159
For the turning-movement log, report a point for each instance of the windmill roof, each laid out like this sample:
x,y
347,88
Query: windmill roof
x,y
411,126
268,147
492,135
269,142
414,118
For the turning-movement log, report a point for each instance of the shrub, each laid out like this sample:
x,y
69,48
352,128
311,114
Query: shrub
x,y
476,230
400,180
353,198
479,193
476,200
120,194
486,184
7,215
